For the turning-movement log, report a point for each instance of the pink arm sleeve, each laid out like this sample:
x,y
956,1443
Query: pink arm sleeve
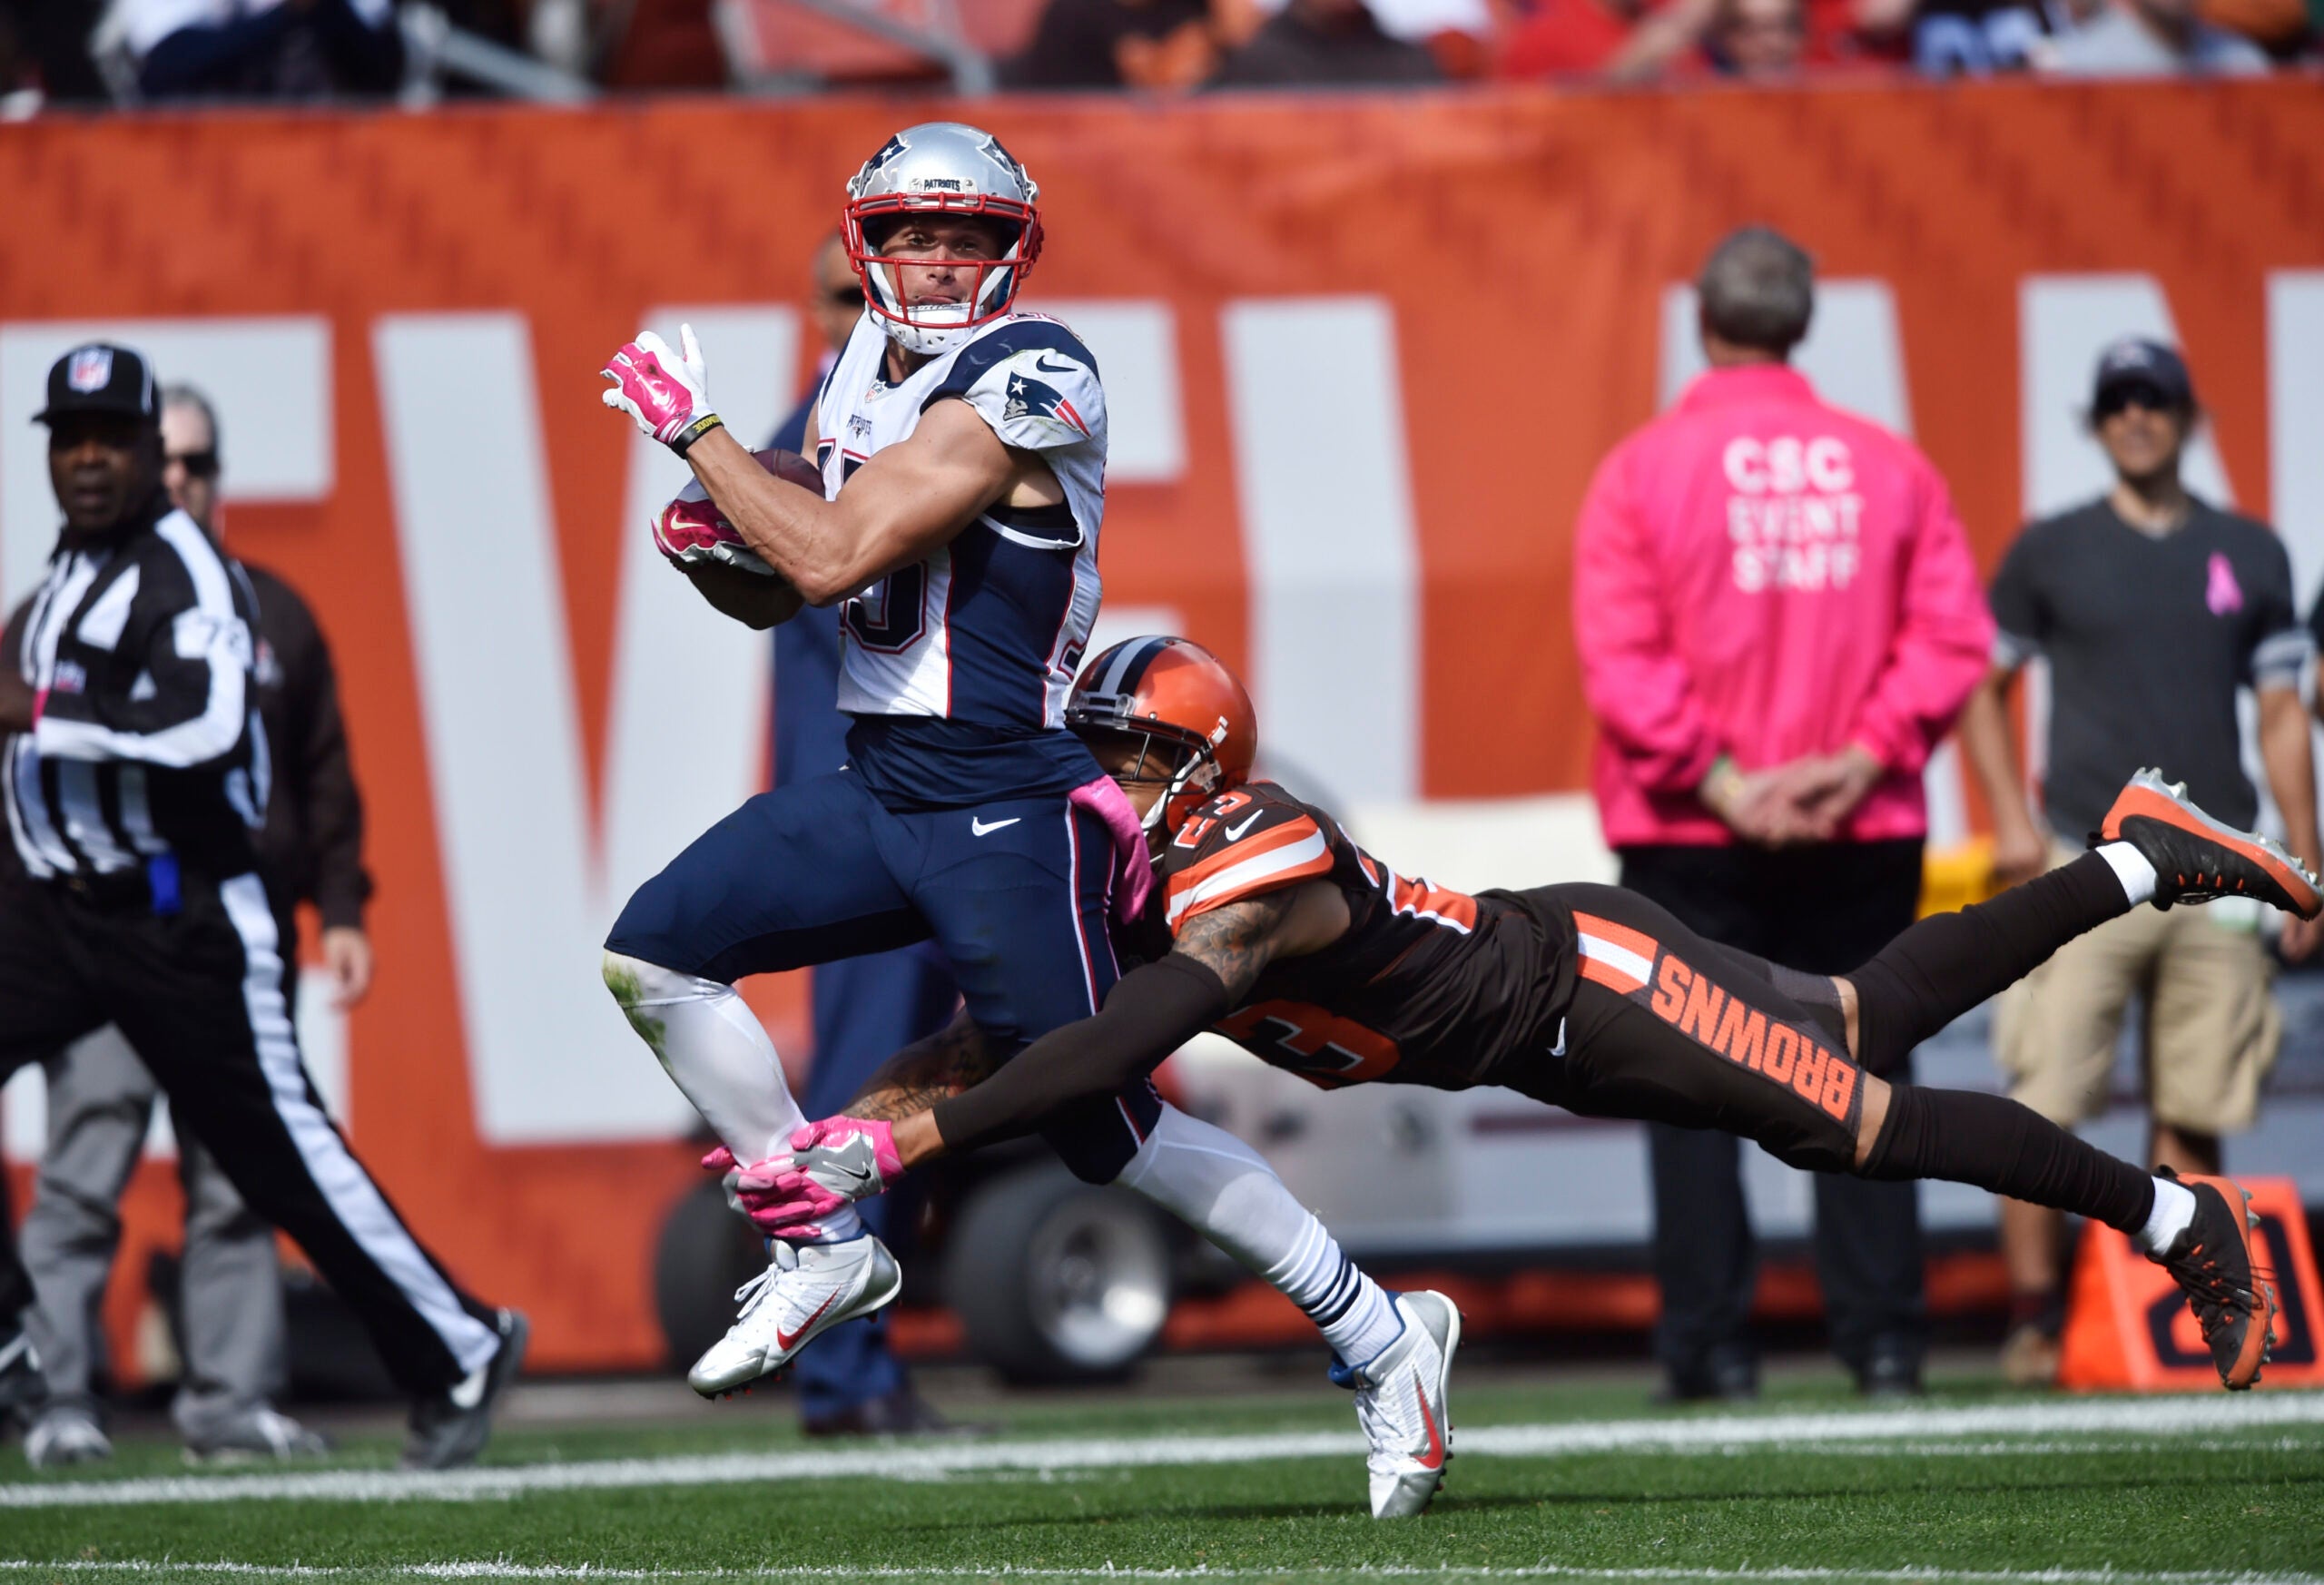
x,y
1637,686
1942,643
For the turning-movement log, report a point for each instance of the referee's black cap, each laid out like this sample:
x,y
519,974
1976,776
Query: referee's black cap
x,y
100,377
2135,363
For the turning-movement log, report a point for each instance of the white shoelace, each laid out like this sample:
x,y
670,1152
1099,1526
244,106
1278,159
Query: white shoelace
x,y
749,1295
781,1258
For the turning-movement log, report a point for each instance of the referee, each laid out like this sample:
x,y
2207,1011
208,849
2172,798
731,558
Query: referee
x,y
132,789
101,1099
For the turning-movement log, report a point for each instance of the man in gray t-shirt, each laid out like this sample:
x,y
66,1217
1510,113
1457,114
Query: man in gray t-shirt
x,y
2152,38
2153,609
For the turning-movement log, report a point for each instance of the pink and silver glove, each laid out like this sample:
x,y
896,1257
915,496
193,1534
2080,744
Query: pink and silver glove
x,y
833,1162
668,393
750,1190
691,530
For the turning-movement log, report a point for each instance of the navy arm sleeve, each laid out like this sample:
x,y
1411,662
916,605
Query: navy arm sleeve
x,y
1150,1013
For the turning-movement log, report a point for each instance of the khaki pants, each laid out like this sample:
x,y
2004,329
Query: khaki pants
x,y
2213,1027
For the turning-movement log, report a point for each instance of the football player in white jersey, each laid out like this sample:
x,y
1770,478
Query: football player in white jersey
x,y
963,449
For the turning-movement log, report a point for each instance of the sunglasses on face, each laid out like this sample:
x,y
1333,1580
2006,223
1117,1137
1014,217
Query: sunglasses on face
x,y
2133,396
845,297
197,464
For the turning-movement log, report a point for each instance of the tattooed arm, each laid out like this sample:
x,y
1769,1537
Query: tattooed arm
x,y
926,1072
1154,1010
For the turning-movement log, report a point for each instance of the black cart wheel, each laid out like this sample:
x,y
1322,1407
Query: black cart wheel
x,y
704,1252
1055,1280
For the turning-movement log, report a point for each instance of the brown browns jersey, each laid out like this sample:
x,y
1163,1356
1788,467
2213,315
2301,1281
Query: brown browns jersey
x,y
1426,987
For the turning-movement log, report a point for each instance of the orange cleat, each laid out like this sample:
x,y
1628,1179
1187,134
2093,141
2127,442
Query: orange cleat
x,y
2197,859
2214,1263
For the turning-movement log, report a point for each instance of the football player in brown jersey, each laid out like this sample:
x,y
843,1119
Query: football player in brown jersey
x,y
1273,928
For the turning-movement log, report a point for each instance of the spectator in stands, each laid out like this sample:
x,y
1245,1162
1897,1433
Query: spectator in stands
x,y
261,49
1778,616
2154,608
1759,40
1620,39
1117,44
1976,38
1626,40
1318,43
2280,28
44,50
2152,39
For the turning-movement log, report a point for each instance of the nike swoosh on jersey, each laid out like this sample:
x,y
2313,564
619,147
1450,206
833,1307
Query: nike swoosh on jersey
x,y
981,829
1234,832
1047,368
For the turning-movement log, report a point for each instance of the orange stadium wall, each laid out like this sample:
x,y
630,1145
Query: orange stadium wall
x,y
1363,355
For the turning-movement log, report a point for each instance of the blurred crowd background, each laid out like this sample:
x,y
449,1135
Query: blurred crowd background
x,y
87,53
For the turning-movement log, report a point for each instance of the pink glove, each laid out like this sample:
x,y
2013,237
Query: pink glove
x,y
668,393
783,1203
832,1163
692,529
750,1190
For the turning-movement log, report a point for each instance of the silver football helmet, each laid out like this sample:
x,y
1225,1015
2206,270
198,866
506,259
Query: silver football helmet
x,y
951,168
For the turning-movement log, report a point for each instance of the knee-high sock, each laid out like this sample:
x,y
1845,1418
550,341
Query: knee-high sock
x,y
1220,1185
714,1050
1991,1141
1949,962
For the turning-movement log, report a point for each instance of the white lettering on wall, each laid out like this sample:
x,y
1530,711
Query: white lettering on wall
x,y
531,891
1316,401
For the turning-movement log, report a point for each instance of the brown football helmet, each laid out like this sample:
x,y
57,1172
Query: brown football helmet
x,y
1180,700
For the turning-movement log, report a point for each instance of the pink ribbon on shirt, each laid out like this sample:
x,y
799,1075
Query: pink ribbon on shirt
x,y
2224,594
1105,799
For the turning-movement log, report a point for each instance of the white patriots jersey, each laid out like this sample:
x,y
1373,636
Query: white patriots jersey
x,y
989,628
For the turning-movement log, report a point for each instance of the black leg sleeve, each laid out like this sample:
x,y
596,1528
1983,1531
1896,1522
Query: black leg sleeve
x,y
15,1282
1949,962
1991,1141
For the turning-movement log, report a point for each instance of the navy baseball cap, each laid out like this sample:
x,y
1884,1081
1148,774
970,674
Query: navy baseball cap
x,y
2135,363
101,378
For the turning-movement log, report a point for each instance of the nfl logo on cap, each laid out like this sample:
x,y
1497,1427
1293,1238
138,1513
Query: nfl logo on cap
x,y
100,377
91,368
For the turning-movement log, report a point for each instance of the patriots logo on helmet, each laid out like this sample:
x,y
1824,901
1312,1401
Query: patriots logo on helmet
x,y
1003,158
91,368
1029,397
895,146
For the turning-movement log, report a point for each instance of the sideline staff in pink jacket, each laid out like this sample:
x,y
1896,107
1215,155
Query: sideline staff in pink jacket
x,y
1778,619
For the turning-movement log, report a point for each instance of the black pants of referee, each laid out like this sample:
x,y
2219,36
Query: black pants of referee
x,y
199,993
1825,910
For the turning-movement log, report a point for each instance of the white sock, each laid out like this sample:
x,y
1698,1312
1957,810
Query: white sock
x,y
715,1050
2132,869
2174,1207
1226,1189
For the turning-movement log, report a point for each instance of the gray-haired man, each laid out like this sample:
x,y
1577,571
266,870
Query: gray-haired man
x,y
101,1098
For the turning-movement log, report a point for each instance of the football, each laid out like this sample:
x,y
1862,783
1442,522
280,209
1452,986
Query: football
x,y
691,528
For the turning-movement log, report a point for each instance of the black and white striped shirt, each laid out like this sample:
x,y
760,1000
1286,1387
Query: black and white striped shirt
x,y
139,649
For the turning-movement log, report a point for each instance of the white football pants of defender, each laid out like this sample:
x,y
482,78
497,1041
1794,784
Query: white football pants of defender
x,y
715,1050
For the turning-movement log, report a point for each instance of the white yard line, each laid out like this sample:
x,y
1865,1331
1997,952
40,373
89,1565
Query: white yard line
x,y
503,1569
1912,1429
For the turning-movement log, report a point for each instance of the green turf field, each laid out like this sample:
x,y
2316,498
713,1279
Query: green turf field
x,y
1564,1483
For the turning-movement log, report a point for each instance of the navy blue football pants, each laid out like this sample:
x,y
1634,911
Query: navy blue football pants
x,y
1013,893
